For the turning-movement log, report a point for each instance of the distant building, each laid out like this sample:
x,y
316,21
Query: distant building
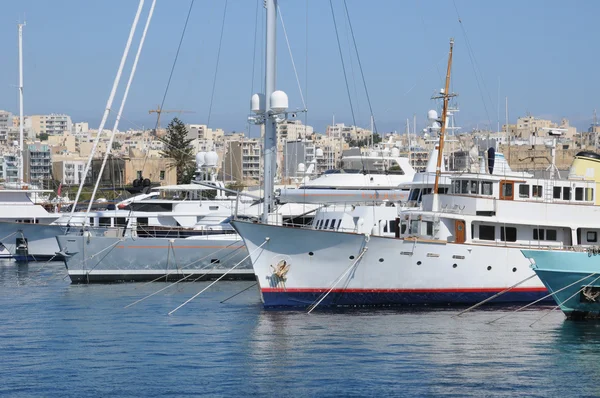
x,y
53,124
69,172
37,163
10,168
242,161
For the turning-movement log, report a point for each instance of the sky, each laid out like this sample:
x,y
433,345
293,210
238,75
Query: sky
x,y
541,54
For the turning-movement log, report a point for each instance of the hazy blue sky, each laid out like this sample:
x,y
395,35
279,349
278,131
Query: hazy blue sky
x,y
543,52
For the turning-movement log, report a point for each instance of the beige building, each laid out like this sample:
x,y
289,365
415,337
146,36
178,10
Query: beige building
x,y
530,126
291,130
53,124
242,162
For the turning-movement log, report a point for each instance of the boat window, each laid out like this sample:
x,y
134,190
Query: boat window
x,y
120,222
474,187
332,224
551,234
371,166
578,193
213,207
464,186
339,223
508,234
592,236
91,220
403,227
326,224
414,227
487,232
456,186
538,234
523,191
142,221
429,227
486,187
414,194
442,190
566,193
392,224
589,194
104,222
507,190
536,191
556,192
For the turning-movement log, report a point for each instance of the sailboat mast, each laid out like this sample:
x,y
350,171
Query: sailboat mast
x,y
20,171
446,95
270,127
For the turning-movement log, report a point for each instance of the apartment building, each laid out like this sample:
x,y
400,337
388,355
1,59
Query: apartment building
x,y
53,124
37,163
242,161
69,172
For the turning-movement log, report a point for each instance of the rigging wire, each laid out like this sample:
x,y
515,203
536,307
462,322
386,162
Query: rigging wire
x,y
212,95
475,67
360,66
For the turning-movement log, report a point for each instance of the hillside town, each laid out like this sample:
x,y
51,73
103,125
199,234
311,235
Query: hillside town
x,y
56,149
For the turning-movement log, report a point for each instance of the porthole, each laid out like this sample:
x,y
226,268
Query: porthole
x,y
311,253
381,260
454,265
489,268
515,269
351,257
419,263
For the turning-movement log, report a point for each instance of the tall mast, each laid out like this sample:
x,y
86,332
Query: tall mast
x,y
20,171
446,96
270,127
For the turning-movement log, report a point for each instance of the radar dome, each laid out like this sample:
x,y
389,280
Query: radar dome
x,y
301,168
211,158
257,103
395,152
200,159
279,101
319,152
432,115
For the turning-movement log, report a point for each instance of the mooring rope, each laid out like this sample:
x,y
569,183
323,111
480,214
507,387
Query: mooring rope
x,y
540,299
313,306
495,295
221,277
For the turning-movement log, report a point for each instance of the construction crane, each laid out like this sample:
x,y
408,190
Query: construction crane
x,y
160,111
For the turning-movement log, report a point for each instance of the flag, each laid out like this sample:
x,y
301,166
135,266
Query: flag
x,y
59,189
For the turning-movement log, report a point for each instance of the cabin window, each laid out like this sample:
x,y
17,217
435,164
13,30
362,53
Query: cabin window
x,y
578,193
414,194
507,190
566,193
487,232
403,227
442,190
456,186
332,224
385,227
142,221
592,236
414,227
120,222
589,194
429,228
104,222
536,192
473,187
339,223
486,187
326,224
551,234
556,192
464,186
523,191
538,234
508,234
392,226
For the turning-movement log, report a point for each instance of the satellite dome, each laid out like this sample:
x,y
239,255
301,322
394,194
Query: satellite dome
x,y
395,152
211,158
432,115
301,167
279,101
319,152
257,103
200,159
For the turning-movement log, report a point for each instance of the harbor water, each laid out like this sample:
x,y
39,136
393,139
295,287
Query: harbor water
x,y
58,339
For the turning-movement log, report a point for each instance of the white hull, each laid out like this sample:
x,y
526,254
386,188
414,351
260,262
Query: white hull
x,y
390,271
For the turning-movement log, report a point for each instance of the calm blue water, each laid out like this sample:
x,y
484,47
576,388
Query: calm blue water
x,y
62,340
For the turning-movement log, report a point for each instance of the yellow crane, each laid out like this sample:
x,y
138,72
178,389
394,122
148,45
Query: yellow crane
x,y
160,111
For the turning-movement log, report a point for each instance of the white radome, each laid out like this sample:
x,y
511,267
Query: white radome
x,y
257,103
211,158
279,101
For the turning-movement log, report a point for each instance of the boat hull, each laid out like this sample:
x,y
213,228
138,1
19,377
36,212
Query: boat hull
x,y
572,277
346,269
40,241
104,259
